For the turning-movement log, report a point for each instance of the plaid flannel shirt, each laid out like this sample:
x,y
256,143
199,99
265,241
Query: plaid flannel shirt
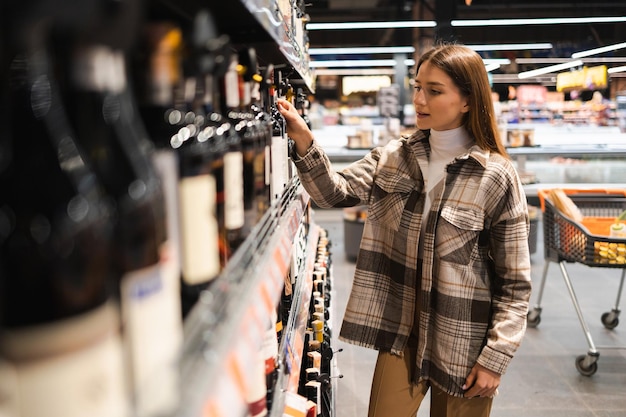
x,y
475,263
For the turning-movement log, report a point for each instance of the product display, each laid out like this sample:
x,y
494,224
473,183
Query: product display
x,y
60,327
94,249
142,189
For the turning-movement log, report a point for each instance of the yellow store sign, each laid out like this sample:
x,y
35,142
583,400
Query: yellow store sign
x,y
589,78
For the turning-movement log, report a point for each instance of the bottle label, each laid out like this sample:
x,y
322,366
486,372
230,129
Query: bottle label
x,y
260,166
231,84
233,190
72,368
279,166
268,169
100,69
152,337
246,96
295,405
199,231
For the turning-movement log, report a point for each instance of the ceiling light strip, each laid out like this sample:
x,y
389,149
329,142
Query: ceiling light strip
x,y
345,63
616,69
499,61
491,67
513,77
549,69
372,25
510,46
598,51
411,49
537,21
363,50
609,60
355,71
353,63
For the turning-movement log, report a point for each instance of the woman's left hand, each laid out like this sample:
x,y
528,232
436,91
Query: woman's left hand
x,y
481,382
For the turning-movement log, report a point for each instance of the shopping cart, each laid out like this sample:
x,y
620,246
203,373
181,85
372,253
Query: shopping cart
x,y
587,243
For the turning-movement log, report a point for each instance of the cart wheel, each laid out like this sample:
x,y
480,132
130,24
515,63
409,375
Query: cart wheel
x,y
534,318
610,320
586,369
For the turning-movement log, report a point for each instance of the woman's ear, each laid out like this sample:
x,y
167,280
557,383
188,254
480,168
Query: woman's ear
x,y
465,107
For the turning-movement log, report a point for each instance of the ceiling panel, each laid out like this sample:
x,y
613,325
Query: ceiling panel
x,y
565,38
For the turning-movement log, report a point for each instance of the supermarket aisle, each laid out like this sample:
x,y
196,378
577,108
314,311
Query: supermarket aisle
x,y
542,381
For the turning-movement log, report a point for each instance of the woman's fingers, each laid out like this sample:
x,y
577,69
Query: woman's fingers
x,y
286,109
481,382
297,128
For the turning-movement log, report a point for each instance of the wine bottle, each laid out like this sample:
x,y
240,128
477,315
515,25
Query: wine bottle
x,y
234,214
279,141
258,96
249,150
214,131
59,330
216,93
158,75
201,243
158,72
103,112
254,130
302,104
289,166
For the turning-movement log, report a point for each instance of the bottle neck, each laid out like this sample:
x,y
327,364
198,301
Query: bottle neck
x,y
164,72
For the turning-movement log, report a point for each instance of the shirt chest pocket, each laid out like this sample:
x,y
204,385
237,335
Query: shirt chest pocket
x,y
458,231
388,200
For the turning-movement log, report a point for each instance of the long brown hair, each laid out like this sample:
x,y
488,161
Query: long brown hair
x,y
466,68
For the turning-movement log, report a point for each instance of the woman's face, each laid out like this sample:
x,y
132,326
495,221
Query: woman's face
x,y
438,102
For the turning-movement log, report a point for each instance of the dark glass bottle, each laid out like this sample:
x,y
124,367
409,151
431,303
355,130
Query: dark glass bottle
x,y
302,104
198,216
253,131
98,95
215,131
59,323
217,91
158,75
279,148
200,167
259,95
234,213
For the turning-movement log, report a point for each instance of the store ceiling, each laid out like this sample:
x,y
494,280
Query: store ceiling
x,y
566,39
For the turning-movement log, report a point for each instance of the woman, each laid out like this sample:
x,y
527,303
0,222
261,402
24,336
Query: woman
x,y
442,279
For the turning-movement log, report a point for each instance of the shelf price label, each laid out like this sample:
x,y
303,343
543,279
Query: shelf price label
x,y
227,397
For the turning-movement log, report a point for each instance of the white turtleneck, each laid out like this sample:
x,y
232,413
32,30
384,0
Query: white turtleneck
x,y
445,145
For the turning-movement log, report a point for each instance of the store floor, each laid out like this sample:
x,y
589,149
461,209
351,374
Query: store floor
x,y
542,380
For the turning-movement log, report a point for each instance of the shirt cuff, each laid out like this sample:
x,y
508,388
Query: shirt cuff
x,y
294,155
494,360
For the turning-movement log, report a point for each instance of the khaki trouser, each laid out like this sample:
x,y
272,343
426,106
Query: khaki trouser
x,y
393,394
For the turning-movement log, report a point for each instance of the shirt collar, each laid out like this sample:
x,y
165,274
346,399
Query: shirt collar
x,y
421,147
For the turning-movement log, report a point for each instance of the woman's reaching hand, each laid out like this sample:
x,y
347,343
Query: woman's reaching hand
x,y
297,128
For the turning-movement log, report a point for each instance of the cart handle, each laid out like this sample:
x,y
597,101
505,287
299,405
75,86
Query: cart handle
x,y
543,193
